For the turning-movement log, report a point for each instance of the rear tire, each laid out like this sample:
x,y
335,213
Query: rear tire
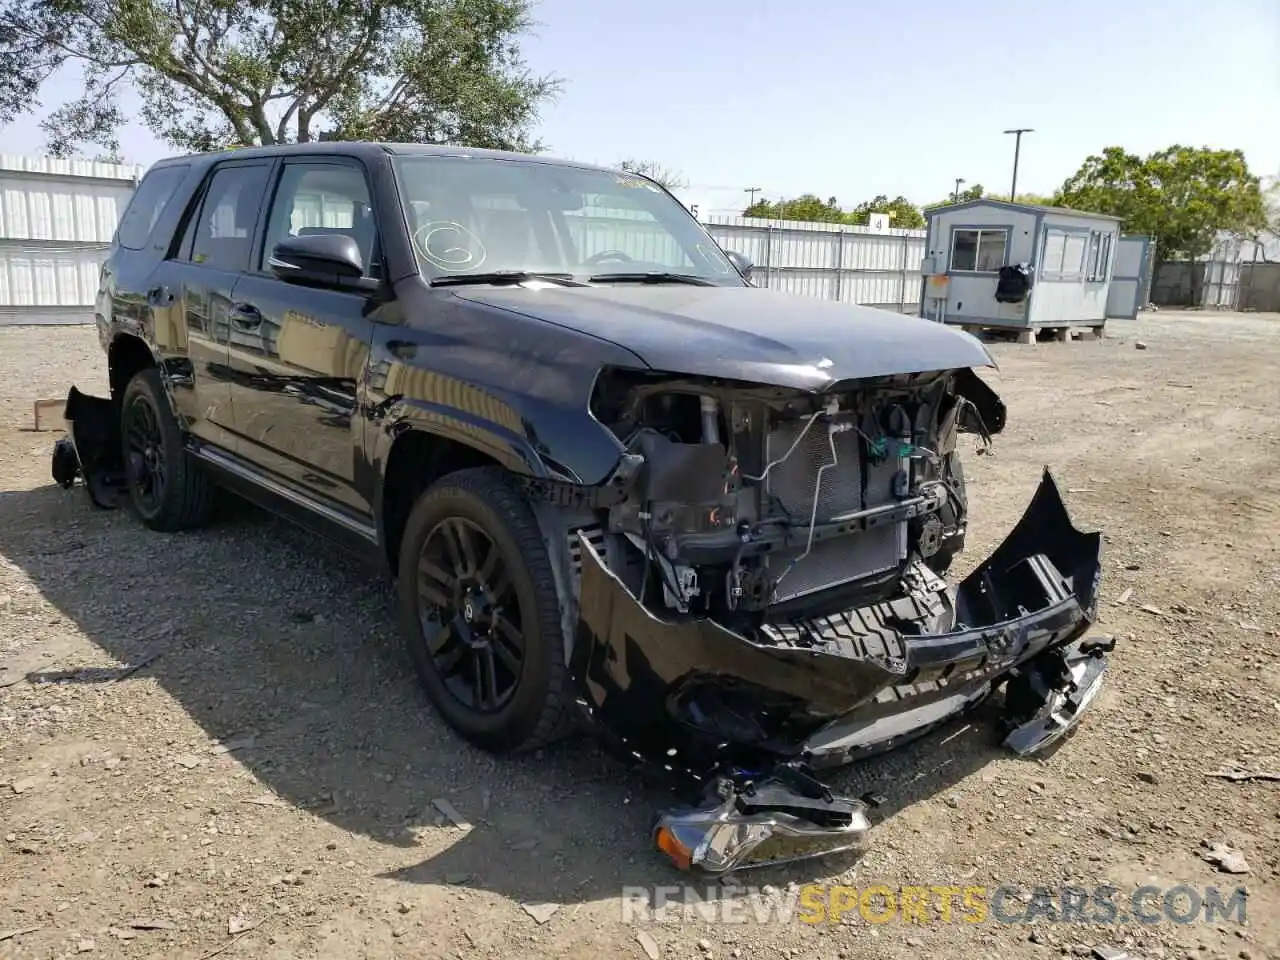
x,y
480,612
168,489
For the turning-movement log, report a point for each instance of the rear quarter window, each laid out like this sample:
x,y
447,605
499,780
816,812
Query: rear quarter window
x,y
149,201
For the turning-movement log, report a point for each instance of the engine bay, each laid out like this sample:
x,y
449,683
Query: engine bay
x,y
754,504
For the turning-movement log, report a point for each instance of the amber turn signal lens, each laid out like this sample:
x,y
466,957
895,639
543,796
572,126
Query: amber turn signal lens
x,y
673,848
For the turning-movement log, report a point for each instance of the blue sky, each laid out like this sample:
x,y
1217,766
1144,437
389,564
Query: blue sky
x,y
856,98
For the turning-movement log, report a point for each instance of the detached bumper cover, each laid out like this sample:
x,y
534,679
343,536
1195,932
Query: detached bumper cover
x,y
91,449
696,697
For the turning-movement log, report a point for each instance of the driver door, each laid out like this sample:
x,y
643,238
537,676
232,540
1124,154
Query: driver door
x,y
299,353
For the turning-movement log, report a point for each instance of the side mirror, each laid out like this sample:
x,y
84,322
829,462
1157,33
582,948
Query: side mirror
x,y
741,261
328,260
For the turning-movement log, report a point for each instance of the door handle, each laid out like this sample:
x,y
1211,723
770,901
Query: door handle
x,y
245,315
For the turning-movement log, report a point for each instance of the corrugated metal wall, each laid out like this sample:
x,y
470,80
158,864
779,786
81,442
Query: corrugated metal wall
x,y
1260,287
1217,278
56,220
828,260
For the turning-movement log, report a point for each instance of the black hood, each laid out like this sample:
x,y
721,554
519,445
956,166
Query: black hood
x,y
745,333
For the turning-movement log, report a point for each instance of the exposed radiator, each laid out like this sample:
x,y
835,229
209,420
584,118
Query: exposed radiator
x,y
832,562
837,561
792,480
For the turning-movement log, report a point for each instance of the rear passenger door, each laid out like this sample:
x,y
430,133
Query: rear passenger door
x,y
300,352
213,254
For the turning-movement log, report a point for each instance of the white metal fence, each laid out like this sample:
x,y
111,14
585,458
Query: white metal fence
x,y
832,261
1216,278
56,220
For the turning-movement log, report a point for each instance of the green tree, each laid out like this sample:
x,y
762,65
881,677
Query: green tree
x,y
669,178
1036,199
809,207
1185,197
976,192
804,207
902,212
217,73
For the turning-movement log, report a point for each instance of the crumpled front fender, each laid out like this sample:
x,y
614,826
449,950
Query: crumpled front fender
x,y
694,695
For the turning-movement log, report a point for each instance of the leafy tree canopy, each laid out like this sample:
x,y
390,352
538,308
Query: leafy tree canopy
x,y
218,73
669,178
976,192
1183,196
809,207
805,207
902,212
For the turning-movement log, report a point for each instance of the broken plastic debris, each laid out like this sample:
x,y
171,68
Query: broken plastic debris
x,y
451,812
541,912
230,746
267,800
1238,776
648,944
1226,859
153,924
237,924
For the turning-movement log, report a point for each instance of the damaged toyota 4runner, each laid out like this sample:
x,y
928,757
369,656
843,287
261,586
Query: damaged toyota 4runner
x,y
612,479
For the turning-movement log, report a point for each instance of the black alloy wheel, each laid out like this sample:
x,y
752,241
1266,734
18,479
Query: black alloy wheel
x,y
144,454
481,612
168,488
470,615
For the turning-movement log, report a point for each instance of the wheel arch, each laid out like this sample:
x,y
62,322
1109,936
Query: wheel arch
x,y
126,355
416,459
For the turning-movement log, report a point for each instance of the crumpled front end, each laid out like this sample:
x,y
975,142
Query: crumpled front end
x,y
751,713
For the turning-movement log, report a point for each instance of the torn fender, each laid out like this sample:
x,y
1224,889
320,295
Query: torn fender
x,y
692,694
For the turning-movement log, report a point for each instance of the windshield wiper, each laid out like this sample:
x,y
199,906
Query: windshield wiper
x,y
505,277
652,277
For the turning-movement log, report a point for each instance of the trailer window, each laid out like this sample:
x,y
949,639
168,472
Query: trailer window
x,y
978,251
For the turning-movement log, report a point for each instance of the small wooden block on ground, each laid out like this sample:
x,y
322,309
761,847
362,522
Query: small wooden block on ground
x,y
43,409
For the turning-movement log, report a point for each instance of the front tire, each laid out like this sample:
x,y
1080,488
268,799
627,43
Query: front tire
x,y
480,612
168,490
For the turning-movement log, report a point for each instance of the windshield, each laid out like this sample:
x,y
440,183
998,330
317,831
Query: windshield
x,y
481,215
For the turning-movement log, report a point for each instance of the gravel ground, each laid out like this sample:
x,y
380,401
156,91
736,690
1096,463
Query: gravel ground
x,y
263,785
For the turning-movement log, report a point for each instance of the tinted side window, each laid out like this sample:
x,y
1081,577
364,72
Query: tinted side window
x,y
323,198
224,230
148,202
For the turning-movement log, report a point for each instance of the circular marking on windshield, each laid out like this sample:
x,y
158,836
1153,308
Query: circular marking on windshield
x,y
450,246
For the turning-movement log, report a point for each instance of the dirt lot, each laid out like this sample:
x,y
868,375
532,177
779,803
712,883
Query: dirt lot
x,y
139,801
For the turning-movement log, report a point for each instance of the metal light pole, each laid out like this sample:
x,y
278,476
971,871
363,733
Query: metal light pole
x,y
752,191
1017,148
955,194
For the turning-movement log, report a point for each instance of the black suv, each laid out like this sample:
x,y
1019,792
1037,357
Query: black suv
x,y
613,479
